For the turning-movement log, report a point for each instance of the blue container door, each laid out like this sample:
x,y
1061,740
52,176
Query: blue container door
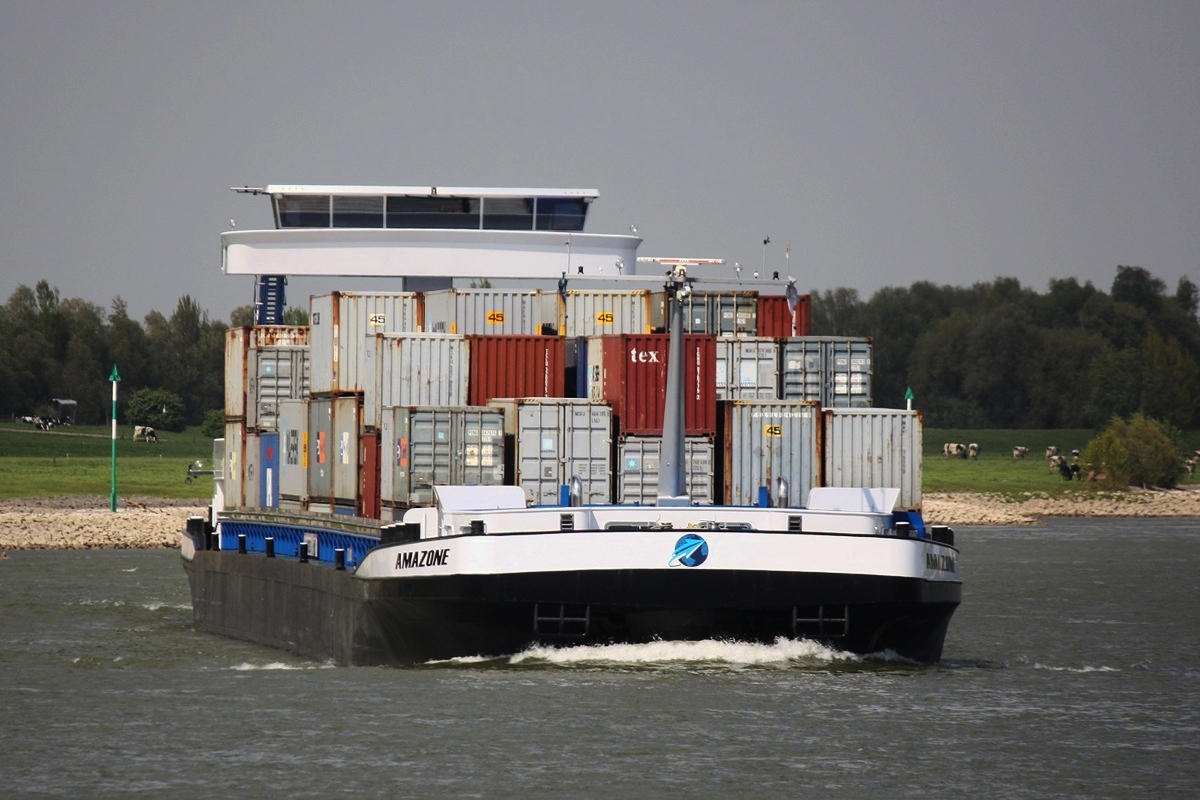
x,y
268,470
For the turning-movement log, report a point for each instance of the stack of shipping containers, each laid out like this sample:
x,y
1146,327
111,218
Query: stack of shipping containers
x,y
388,394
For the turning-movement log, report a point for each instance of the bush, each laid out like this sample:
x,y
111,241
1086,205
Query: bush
x,y
213,426
1138,452
158,408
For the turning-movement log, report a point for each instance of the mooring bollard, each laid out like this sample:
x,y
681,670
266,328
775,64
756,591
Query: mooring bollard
x,y
242,543
339,558
304,552
270,543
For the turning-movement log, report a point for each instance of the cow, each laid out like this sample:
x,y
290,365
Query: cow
x,y
1051,451
1020,452
954,449
145,432
973,450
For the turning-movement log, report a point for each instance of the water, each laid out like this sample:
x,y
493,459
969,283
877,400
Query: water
x,y
1071,670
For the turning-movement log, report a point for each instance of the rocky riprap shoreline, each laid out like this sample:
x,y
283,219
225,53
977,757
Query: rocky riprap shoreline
x,y
78,523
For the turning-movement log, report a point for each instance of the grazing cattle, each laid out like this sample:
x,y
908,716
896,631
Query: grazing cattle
x,y
1075,454
1051,451
954,449
973,450
1189,464
1020,452
144,432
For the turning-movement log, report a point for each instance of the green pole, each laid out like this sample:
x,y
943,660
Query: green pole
x,y
112,500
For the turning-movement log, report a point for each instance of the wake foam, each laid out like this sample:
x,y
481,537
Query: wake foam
x,y
783,653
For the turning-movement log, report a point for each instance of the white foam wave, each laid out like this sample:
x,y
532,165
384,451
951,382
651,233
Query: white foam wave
x,y
1075,669
783,653
246,666
156,606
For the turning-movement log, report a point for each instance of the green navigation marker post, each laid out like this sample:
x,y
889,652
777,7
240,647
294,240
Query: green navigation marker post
x,y
908,397
112,500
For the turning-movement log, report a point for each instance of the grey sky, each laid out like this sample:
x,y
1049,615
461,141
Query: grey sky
x,y
888,142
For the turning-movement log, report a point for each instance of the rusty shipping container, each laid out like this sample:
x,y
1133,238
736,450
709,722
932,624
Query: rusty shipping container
x,y
425,447
515,366
638,467
875,448
264,365
630,372
764,440
485,311
414,369
550,440
604,313
341,322
776,321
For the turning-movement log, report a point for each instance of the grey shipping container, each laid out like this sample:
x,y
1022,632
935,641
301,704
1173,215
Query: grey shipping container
x,y
714,313
251,472
264,364
333,457
293,456
476,311
637,469
833,370
747,368
426,447
875,448
763,441
414,369
554,439
340,324
599,313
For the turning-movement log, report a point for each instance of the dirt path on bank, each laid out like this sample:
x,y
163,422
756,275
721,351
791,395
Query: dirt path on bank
x,y
72,523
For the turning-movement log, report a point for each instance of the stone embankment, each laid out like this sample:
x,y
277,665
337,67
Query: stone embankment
x,y
66,523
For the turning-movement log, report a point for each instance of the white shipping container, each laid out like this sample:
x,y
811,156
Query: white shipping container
x,y
293,455
747,368
334,457
600,313
767,440
414,369
485,311
340,323
233,464
875,448
554,439
638,463
264,364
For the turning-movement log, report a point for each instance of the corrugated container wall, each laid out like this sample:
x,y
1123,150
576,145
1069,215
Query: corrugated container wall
x,y
747,368
717,313
484,311
340,324
333,425
234,464
426,447
414,369
263,365
763,441
875,448
637,469
630,372
776,321
252,471
604,313
551,440
833,370
515,366
293,460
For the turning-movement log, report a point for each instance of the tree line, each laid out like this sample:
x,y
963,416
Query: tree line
x,y
1000,355
56,348
991,355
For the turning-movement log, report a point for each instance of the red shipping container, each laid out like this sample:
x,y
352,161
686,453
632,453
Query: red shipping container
x,y
515,366
775,321
371,503
631,373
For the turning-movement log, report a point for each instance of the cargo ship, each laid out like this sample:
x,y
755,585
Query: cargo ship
x,y
437,473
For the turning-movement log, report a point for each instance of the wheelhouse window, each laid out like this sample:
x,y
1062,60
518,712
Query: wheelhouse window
x,y
433,212
508,213
358,211
561,213
303,211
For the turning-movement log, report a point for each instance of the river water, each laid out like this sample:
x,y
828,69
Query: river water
x,y
1072,669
